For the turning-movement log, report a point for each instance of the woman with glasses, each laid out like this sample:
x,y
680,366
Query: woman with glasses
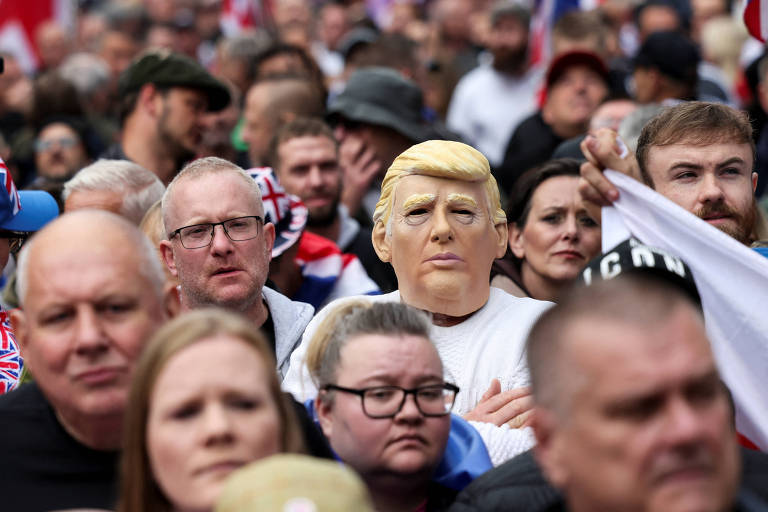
x,y
205,400
383,402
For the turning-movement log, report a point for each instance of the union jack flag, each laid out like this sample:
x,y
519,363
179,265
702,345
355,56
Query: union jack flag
x,y
10,188
11,362
756,19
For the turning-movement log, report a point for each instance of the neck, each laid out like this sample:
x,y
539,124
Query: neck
x,y
540,287
140,145
396,494
101,432
330,231
256,312
447,309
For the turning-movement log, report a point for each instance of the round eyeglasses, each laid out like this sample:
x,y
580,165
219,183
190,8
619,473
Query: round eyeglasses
x,y
238,229
387,401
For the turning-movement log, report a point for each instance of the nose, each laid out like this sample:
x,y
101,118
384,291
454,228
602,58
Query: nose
x,y
315,177
686,426
90,336
217,425
710,190
442,231
571,228
220,243
409,412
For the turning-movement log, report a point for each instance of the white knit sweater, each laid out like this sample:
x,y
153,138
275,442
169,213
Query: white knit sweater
x,y
489,344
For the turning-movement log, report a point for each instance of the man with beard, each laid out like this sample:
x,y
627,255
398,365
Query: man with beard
x,y
305,157
699,155
491,100
163,99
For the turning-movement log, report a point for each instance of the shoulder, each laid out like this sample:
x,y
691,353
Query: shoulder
x,y
25,398
281,306
516,485
499,300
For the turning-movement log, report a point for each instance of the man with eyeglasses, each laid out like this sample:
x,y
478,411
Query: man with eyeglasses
x,y
16,224
219,248
59,151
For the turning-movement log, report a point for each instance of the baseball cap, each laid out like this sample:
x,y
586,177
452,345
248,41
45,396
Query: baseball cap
x,y
25,210
576,58
164,68
672,53
285,211
294,483
632,256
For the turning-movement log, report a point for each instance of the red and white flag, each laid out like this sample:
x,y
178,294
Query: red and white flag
x,y
19,22
756,19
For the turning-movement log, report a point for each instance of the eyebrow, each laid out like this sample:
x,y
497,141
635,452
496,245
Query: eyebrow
x,y
418,200
463,199
720,165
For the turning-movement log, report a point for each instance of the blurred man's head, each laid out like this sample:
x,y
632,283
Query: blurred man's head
x,y
507,38
577,82
304,156
59,151
701,155
91,290
666,67
630,410
117,186
271,103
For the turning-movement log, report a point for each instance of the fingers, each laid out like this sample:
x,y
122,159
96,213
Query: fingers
x,y
522,420
501,407
493,389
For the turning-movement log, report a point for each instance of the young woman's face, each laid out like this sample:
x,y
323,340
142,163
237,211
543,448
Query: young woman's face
x,y
210,412
559,237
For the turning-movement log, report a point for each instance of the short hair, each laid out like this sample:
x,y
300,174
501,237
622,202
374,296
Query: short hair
x,y
440,159
139,490
508,8
139,187
86,71
631,126
299,127
204,167
636,299
693,122
291,94
149,264
519,205
354,318
577,25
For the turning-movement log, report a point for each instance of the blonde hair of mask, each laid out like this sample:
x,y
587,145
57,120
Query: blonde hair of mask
x,y
440,159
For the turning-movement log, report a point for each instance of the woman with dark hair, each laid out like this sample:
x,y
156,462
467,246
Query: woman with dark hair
x,y
205,400
551,235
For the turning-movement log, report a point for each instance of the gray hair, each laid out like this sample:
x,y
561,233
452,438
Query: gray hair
x,y
86,71
204,167
632,125
139,187
149,264
355,318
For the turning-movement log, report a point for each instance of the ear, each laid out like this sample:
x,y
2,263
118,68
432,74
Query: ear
x,y
502,235
547,450
516,241
166,251
381,242
150,100
323,412
171,299
20,325
269,239
754,182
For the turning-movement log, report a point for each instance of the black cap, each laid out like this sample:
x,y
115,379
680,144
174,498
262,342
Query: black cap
x,y
383,97
632,256
168,69
672,53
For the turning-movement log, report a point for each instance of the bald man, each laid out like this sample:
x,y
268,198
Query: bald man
x,y
91,291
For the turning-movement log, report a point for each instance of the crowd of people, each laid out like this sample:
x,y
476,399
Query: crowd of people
x,y
384,234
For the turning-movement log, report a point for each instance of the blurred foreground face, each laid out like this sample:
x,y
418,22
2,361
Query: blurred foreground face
x,y
408,444
645,424
204,425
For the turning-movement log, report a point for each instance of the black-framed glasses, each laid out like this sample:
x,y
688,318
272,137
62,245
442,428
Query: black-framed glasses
x,y
387,401
238,229
15,239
